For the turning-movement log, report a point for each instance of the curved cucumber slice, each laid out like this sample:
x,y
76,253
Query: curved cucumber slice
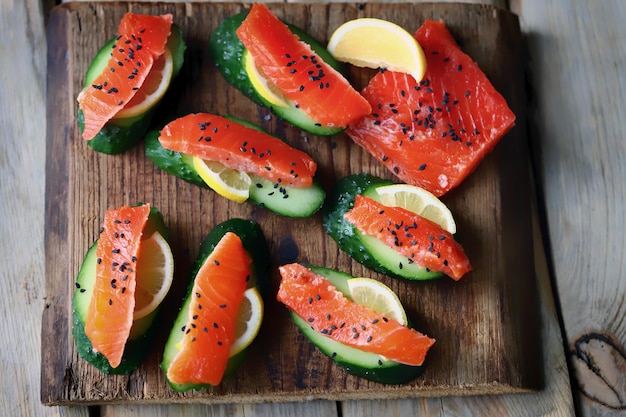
x,y
228,53
366,250
357,362
255,244
121,134
142,331
284,200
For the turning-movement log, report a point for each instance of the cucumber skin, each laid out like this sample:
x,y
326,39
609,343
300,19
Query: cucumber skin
x,y
181,166
137,347
119,135
386,372
226,51
341,200
255,244
174,163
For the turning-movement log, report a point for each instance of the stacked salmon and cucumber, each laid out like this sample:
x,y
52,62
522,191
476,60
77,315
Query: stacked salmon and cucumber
x,y
429,115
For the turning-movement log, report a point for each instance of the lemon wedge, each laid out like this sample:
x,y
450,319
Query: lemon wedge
x,y
262,86
377,296
227,182
153,88
419,201
155,273
378,43
249,320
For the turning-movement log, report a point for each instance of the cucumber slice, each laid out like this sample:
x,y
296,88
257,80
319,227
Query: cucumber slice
x,y
356,362
121,134
142,331
299,202
255,244
228,54
175,163
366,250
284,200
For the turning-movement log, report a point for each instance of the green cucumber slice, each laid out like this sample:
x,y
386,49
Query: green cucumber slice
x,y
356,362
366,250
284,200
255,244
142,331
228,53
119,135
300,202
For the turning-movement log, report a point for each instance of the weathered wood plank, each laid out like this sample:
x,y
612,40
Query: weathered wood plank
x,y
577,52
22,169
485,33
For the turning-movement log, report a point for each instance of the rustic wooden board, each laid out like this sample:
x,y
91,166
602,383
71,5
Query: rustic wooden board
x,y
486,325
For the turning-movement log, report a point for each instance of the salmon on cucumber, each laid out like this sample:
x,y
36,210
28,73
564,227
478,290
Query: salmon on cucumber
x,y
367,342
435,132
238,160
127,79
409,238
124,277
281,67
223,309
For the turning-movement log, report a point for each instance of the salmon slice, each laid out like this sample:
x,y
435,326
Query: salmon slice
x,y
110,312
328,311
141,41
434,133
315,87
419,239
239,147
209,333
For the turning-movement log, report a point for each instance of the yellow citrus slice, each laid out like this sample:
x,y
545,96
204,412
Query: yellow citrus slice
x,y
377,296
227,182
153,88
155,273
262,86
249,320
377,43
419,201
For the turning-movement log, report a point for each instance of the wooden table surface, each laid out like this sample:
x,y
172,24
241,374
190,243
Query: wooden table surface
x,y
577,87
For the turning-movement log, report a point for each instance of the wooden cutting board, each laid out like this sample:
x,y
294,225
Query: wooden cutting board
x,y
486,325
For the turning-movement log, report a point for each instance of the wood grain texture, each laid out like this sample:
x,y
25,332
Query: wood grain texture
x,y
22,169
489,344
579,83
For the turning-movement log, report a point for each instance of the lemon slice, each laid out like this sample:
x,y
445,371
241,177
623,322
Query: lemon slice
x,y
419,201
377,296
249,319
262,86
155,273
153,88
377,43
227,182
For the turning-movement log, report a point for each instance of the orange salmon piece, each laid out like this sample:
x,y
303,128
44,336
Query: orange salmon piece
x,y
110,312
209,333
141,41
239,147
302,76
419,239
327,310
